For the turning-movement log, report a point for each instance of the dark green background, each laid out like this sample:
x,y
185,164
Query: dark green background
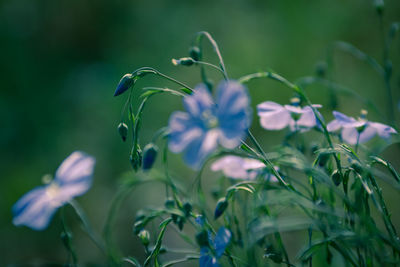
x,y
61,60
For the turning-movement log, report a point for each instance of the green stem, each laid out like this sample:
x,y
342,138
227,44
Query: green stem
x,y
215,46
213,66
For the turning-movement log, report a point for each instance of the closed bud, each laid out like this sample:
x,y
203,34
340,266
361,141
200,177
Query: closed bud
x,y
202,238
124,84
123,131
149,156
136,158
222,204
144,237
185,61
336,178
195,53
187,208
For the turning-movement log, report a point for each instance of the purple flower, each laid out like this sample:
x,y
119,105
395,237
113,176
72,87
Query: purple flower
x,y
360,130
206,124
221,241
241,168
274,116
73,178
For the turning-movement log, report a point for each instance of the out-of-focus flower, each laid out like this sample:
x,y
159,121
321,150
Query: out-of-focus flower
x,y
358,130
274,116
209,256
73,178
241,168
206,124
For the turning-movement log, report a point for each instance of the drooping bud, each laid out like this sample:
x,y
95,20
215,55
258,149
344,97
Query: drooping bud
x,y
124,84
222,204
195,53
185,61
123,131
144,237
336,178
149,156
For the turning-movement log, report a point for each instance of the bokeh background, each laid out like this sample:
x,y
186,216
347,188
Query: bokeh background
x,y
61,60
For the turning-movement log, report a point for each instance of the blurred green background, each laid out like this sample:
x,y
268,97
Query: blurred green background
x,y
61,60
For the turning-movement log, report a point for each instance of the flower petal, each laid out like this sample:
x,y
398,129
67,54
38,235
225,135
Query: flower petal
x,y
183,131
221,241
233,112
76,169
35,209
350,135
238,167
199,101
206,260
273,119
383,130
198,150
308,118
334,126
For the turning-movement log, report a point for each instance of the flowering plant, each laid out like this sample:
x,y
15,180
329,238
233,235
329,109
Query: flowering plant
x,y
327,189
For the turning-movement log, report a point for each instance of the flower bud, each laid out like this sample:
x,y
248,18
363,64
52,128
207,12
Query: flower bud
x,y
202,238
149,156
124,84
185,61
136,159
144,237
336,178
123,131
222,204
195,53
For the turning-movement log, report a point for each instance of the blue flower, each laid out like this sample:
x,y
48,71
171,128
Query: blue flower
x,y
206,124
241,168
221,241
360,130
274,116
73,178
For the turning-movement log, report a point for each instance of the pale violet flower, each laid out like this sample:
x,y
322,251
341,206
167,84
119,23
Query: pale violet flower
x,y
73,178
274,116
206,123
359,130
241,168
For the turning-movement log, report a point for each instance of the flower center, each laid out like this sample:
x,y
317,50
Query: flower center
x,y
52,190
209,119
